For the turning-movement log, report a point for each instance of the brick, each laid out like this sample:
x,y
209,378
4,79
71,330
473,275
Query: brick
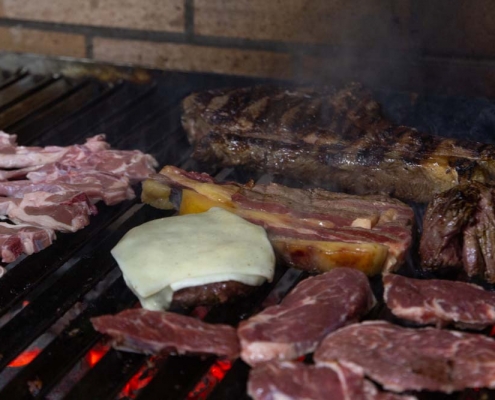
x,y
172,56
152,15
23,40
457,28
334,22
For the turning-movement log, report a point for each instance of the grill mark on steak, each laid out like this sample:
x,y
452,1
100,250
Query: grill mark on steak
x,y
345,131
303,160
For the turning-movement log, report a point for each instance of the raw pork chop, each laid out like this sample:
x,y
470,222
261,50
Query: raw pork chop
x,y
289,380
439,302
413,359
64,211
152,332
316,307
18,239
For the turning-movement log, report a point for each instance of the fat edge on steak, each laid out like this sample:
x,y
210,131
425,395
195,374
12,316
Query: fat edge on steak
x,y
371,233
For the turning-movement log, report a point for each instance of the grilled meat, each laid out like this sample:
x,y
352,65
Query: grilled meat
x,y
313,230
459,231
211,294
329,138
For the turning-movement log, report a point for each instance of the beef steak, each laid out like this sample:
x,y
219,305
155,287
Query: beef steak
x,y
155,332
439,302
403,359
315,307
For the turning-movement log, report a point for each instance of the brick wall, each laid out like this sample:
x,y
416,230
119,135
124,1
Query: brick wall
x,y
385,42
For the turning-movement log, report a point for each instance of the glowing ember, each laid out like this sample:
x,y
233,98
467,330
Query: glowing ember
x,y
95,355
136,383
212,378
25,358
492,332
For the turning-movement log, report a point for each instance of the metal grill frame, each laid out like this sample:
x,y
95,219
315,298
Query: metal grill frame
x,y
52,109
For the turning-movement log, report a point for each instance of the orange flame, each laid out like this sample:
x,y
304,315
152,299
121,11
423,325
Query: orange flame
x,y
25,358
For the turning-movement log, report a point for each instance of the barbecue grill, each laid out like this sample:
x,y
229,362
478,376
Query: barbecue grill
x,y
48,348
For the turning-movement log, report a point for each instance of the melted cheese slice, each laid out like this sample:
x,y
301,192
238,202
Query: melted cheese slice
x,y
169,254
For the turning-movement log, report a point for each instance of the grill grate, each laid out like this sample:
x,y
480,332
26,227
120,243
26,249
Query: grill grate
x,y
52,294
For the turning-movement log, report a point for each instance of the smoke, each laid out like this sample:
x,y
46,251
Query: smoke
x,y
372,42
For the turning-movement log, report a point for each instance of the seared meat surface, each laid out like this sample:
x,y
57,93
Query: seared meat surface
x,y
459,231
329,138
211,294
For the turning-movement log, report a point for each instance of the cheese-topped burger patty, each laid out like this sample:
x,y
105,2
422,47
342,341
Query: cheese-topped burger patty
x,y
215,252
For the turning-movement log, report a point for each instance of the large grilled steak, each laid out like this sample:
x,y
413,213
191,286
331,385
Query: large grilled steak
x,y
329,138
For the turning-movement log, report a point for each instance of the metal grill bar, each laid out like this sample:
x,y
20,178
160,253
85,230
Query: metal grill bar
x,y
22,89
68,348
30,272
7,81
59,111
105,382
51,113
